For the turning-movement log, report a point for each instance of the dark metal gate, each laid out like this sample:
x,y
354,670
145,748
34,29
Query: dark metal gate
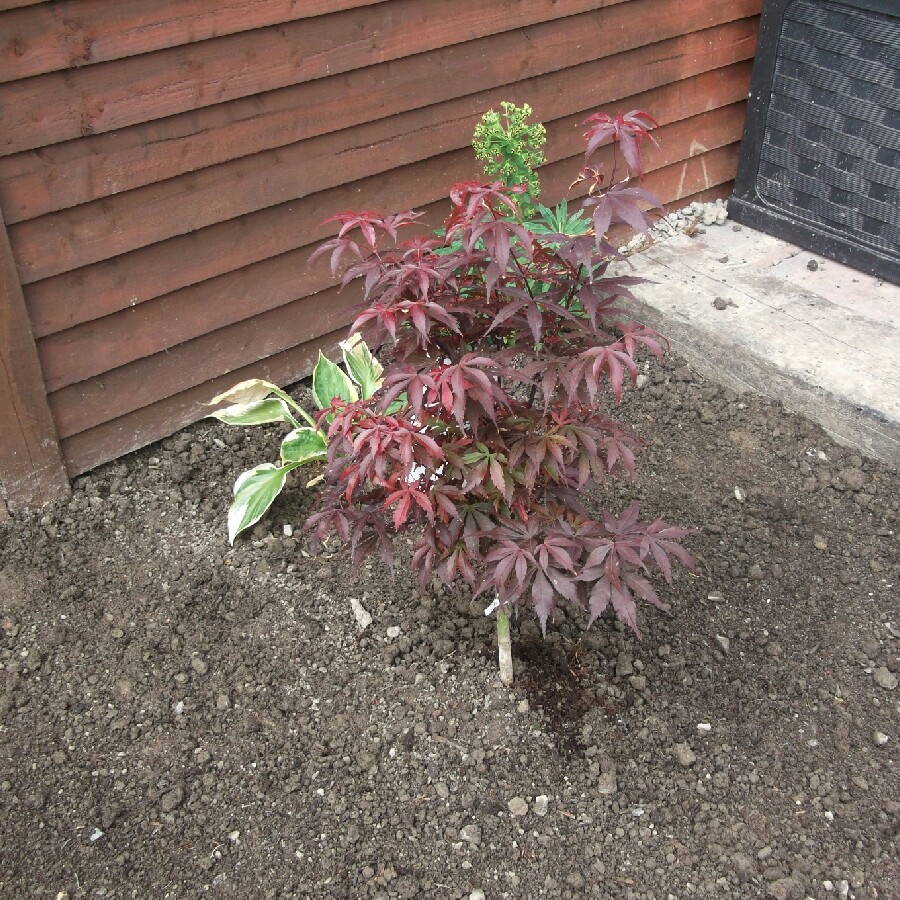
x,y
820,161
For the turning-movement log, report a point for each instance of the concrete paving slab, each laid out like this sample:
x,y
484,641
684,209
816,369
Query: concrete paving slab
x,y
824,340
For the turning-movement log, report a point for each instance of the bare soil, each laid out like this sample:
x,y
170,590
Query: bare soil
x,y
181,719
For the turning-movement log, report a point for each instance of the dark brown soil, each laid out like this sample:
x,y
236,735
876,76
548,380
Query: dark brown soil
x,y
179,719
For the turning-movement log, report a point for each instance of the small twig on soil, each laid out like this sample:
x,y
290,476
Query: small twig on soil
x,y
504,647
446,740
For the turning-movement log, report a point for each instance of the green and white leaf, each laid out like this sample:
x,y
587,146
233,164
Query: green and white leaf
x,y
254,492
361,365
246,392
257,412
330,381
304,445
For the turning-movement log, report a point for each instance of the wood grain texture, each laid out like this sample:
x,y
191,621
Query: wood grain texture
x,y
163,167
34,183
102,344
110,440
109,227
91,402
31,467
18,4
74,33
106,441
154,378
59,303
60,106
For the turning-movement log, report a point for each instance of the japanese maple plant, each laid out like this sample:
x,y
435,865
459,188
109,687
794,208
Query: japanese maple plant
x,y
489,430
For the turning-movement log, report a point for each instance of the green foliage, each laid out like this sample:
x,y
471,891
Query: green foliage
x,y
258,402
254,492
559,221
510,150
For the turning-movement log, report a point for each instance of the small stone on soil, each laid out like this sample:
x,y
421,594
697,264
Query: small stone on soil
x,y
884,678
518,806
880,738
606,784
624,665
723,642
541,805
171,800
471,834
784,889
363,617
199,665
684,755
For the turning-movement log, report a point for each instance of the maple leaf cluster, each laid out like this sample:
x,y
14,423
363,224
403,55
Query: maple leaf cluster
x,y
490,425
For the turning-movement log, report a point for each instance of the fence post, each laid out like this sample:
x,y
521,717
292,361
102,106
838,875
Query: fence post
x,y
31,466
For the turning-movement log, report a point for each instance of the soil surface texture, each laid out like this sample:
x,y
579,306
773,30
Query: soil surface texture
x,y
180,719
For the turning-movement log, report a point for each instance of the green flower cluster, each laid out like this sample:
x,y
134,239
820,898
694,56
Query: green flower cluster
x,y
510,150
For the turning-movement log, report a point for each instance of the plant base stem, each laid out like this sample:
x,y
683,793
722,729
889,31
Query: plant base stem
x,y
504,648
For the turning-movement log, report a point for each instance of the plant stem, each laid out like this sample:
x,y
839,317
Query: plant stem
x,y
504,647
290,400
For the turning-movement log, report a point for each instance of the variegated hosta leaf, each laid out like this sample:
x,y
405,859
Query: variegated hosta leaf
x,y
330,381
245,392
361,365
254,492
304,445
258,412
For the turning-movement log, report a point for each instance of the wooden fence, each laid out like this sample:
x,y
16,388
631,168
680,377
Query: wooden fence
x,y
164,168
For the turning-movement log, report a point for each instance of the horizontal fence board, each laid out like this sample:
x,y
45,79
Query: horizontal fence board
x,y
113,341
151,423
59,106
94,291
103,344
95,231
104,442
74,33
117,392
34,183
99,400
19,4
194,258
